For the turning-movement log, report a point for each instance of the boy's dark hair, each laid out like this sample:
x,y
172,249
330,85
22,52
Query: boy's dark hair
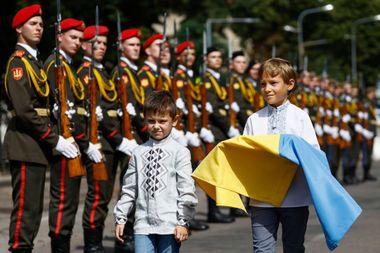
x,y
160,102
277,66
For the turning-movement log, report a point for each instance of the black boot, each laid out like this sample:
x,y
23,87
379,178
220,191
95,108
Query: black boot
x,y
93,240
128,245
215,215
346,176
354,178
21,250
236,212
60,244
197,225
367,175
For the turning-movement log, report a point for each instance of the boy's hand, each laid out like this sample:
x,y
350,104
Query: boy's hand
x,y
119,230
181,233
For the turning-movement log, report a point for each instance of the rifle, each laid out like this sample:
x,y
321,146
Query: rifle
x,y
203,91
99,169
174,87
230,88
196,152
159,80
74,165
122,87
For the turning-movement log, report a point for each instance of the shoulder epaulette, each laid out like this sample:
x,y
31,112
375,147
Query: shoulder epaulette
x,y
145,67
19,53
123,64
180,71
86,64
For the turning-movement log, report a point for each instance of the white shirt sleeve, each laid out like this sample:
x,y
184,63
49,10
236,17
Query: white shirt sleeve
x,y
308,131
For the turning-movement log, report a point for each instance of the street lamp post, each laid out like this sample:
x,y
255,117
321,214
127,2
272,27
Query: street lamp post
x,y
301,16
211,21
354,67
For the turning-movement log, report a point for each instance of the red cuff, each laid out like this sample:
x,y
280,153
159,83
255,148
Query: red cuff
x,y
46,134
80,136
144,129
112,134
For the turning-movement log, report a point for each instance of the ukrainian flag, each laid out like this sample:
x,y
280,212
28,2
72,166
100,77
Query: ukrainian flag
x,y
262,167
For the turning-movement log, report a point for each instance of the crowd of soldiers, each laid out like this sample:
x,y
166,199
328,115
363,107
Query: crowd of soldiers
x,y
87,121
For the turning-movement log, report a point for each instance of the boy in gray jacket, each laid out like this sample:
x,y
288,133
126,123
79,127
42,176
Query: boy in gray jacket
x,y
158,183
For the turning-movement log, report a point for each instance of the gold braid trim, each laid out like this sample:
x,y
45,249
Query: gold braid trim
x,y
220,91
152,79
195,92
104,87
138,91
246,93
76,85
167,82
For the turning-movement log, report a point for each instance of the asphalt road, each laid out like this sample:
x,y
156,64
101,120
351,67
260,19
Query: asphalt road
x,y
223,238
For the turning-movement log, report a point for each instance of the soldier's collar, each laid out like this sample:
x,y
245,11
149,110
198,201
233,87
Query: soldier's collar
x,y
29,49
66,56
190,72
129,63
214,73
97,65
166,71
151,65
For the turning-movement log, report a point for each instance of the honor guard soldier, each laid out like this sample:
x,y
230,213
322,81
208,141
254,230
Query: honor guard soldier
x,y
100,192
189,92
252,78
64,189
243,92
129,54
217,108
369,132
29,139
149,71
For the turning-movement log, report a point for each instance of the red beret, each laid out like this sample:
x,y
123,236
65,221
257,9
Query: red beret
x,y
89,32
25,14
130,33
151,39
181,47
70,23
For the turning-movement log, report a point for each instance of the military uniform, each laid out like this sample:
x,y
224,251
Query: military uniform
x,y
64,190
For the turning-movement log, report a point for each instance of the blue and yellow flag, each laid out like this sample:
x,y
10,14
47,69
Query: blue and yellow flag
x,y
262,168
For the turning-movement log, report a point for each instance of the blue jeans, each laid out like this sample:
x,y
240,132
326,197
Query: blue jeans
x,y
156,244
265,222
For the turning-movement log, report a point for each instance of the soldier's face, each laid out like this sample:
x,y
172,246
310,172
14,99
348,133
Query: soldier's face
x,y
100,48
254,71
275,90
31,31
239,64
153,51
70,41
214,60
131,48
166,56
187,57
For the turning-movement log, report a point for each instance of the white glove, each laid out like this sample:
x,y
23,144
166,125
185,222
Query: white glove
x,y
345,135
335,132
209,108
99,113
66,148
336,113
93,153
359,128
69,113
368,134
55,110
361,115
235,107
195,109
185,111
326,129
131,109
127,146
233,132
180,104
318,129
365,116
322,112
192,139
329,113
207,135
227,106
179,136
346,118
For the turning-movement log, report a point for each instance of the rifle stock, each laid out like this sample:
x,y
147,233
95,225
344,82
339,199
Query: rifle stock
x,y
126,121
99,169
230,91
209,146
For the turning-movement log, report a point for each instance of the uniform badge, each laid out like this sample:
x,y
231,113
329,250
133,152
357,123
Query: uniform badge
x,y
86,64
208,85
236,86
17,73
144,82
222,112
179,83
125,79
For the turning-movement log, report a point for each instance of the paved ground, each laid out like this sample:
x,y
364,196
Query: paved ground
x,y
231,238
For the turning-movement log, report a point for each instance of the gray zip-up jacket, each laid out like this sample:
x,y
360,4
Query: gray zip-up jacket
x,y
158,183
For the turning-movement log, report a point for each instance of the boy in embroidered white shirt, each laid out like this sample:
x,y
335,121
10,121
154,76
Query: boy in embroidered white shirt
x,y
281,117
158,183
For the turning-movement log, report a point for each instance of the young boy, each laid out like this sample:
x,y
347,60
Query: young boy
x,y
158,183
281,117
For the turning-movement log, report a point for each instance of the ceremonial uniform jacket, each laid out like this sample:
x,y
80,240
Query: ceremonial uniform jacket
x,y
29,137
109,126
75,94
148,75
